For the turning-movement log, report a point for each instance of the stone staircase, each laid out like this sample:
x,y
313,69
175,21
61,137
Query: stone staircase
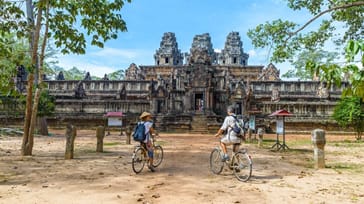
x,y
199,124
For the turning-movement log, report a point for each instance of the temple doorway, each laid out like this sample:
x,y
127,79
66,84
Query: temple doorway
x,y
160,106
199,102
239,109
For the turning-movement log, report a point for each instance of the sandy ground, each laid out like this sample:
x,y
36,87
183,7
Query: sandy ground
x,y
184,175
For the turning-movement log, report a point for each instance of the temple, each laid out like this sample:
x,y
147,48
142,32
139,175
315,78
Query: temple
x,y
190,91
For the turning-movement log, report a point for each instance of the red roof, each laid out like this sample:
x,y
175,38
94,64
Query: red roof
x,y
281,112
114,114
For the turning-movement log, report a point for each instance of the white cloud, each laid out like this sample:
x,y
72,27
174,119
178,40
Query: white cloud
x,y
258,57
106,60
252,53
108,52
217,50
83,63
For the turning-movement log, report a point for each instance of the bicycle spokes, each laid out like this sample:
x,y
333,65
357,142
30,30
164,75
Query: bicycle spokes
x,y
138,160
242,166
216,163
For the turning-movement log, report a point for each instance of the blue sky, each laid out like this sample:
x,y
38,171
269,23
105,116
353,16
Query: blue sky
x,y
147,20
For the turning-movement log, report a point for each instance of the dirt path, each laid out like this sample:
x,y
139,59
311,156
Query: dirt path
x,y
183,177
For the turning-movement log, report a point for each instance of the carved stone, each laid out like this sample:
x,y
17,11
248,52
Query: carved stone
x,y
60,76
233,53
271,73
318,141
202,51
87,76
176,94
168,53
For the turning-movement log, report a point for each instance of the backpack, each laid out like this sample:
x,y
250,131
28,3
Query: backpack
x,y
139,132
237,127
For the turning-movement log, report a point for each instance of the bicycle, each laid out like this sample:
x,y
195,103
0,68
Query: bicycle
x,y
140,157
240,163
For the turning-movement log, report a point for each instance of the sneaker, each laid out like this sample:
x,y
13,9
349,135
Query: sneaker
x,y
151,168
225,158
237,169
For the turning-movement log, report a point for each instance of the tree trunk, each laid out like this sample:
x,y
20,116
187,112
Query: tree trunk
x,y
27,145
42,126
31,109
30,115
71,134
100,133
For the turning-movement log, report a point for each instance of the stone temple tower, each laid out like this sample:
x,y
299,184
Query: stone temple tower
x,y
202,51
233,53
168,53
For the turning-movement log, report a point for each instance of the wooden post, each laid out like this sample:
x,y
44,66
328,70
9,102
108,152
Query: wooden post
x,y
250,132
100,133
71,134
260,137
318,141
129,131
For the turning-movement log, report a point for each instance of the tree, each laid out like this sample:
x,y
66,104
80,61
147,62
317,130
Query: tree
x,y
350,112
117,75
301,63
74,74
46,107
355,74
287,38
12,54
65,22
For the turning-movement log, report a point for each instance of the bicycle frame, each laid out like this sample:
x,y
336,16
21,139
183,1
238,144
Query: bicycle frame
x,y
140,156
240,163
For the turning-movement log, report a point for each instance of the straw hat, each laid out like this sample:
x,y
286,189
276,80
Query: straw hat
x,y
144,114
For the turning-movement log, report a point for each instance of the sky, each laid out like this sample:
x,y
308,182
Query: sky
x,y
148,20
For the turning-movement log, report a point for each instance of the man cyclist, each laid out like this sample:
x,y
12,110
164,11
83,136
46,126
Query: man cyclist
x,y
230,137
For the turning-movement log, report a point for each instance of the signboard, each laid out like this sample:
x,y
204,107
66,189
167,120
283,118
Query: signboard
x,y
252,122
280,125
114,122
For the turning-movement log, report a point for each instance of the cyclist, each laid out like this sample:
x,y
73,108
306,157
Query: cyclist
x,y
146,118
230,137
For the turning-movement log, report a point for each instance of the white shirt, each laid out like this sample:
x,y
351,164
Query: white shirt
x,y
148,125
229,122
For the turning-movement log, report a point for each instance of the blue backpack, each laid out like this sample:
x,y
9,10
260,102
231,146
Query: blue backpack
x,y
238,127
139,132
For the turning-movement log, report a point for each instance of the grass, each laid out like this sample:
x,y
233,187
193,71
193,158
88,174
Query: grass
x,y
342,166
161,143
348,143
112,143
89,151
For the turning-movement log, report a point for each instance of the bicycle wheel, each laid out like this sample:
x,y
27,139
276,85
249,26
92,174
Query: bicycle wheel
x,y
216,163
242,166
138,160
158,155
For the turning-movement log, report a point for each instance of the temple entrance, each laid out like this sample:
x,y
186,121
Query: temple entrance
x,y
239,109
199,102
160,106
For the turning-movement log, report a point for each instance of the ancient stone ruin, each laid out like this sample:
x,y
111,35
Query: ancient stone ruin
x,y
190,91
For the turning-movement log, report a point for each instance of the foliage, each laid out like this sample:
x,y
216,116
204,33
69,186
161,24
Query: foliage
x,y
102,24
13,52
302,64
350,112
117,75
286,38
74,74
355,73
46,105
65,22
